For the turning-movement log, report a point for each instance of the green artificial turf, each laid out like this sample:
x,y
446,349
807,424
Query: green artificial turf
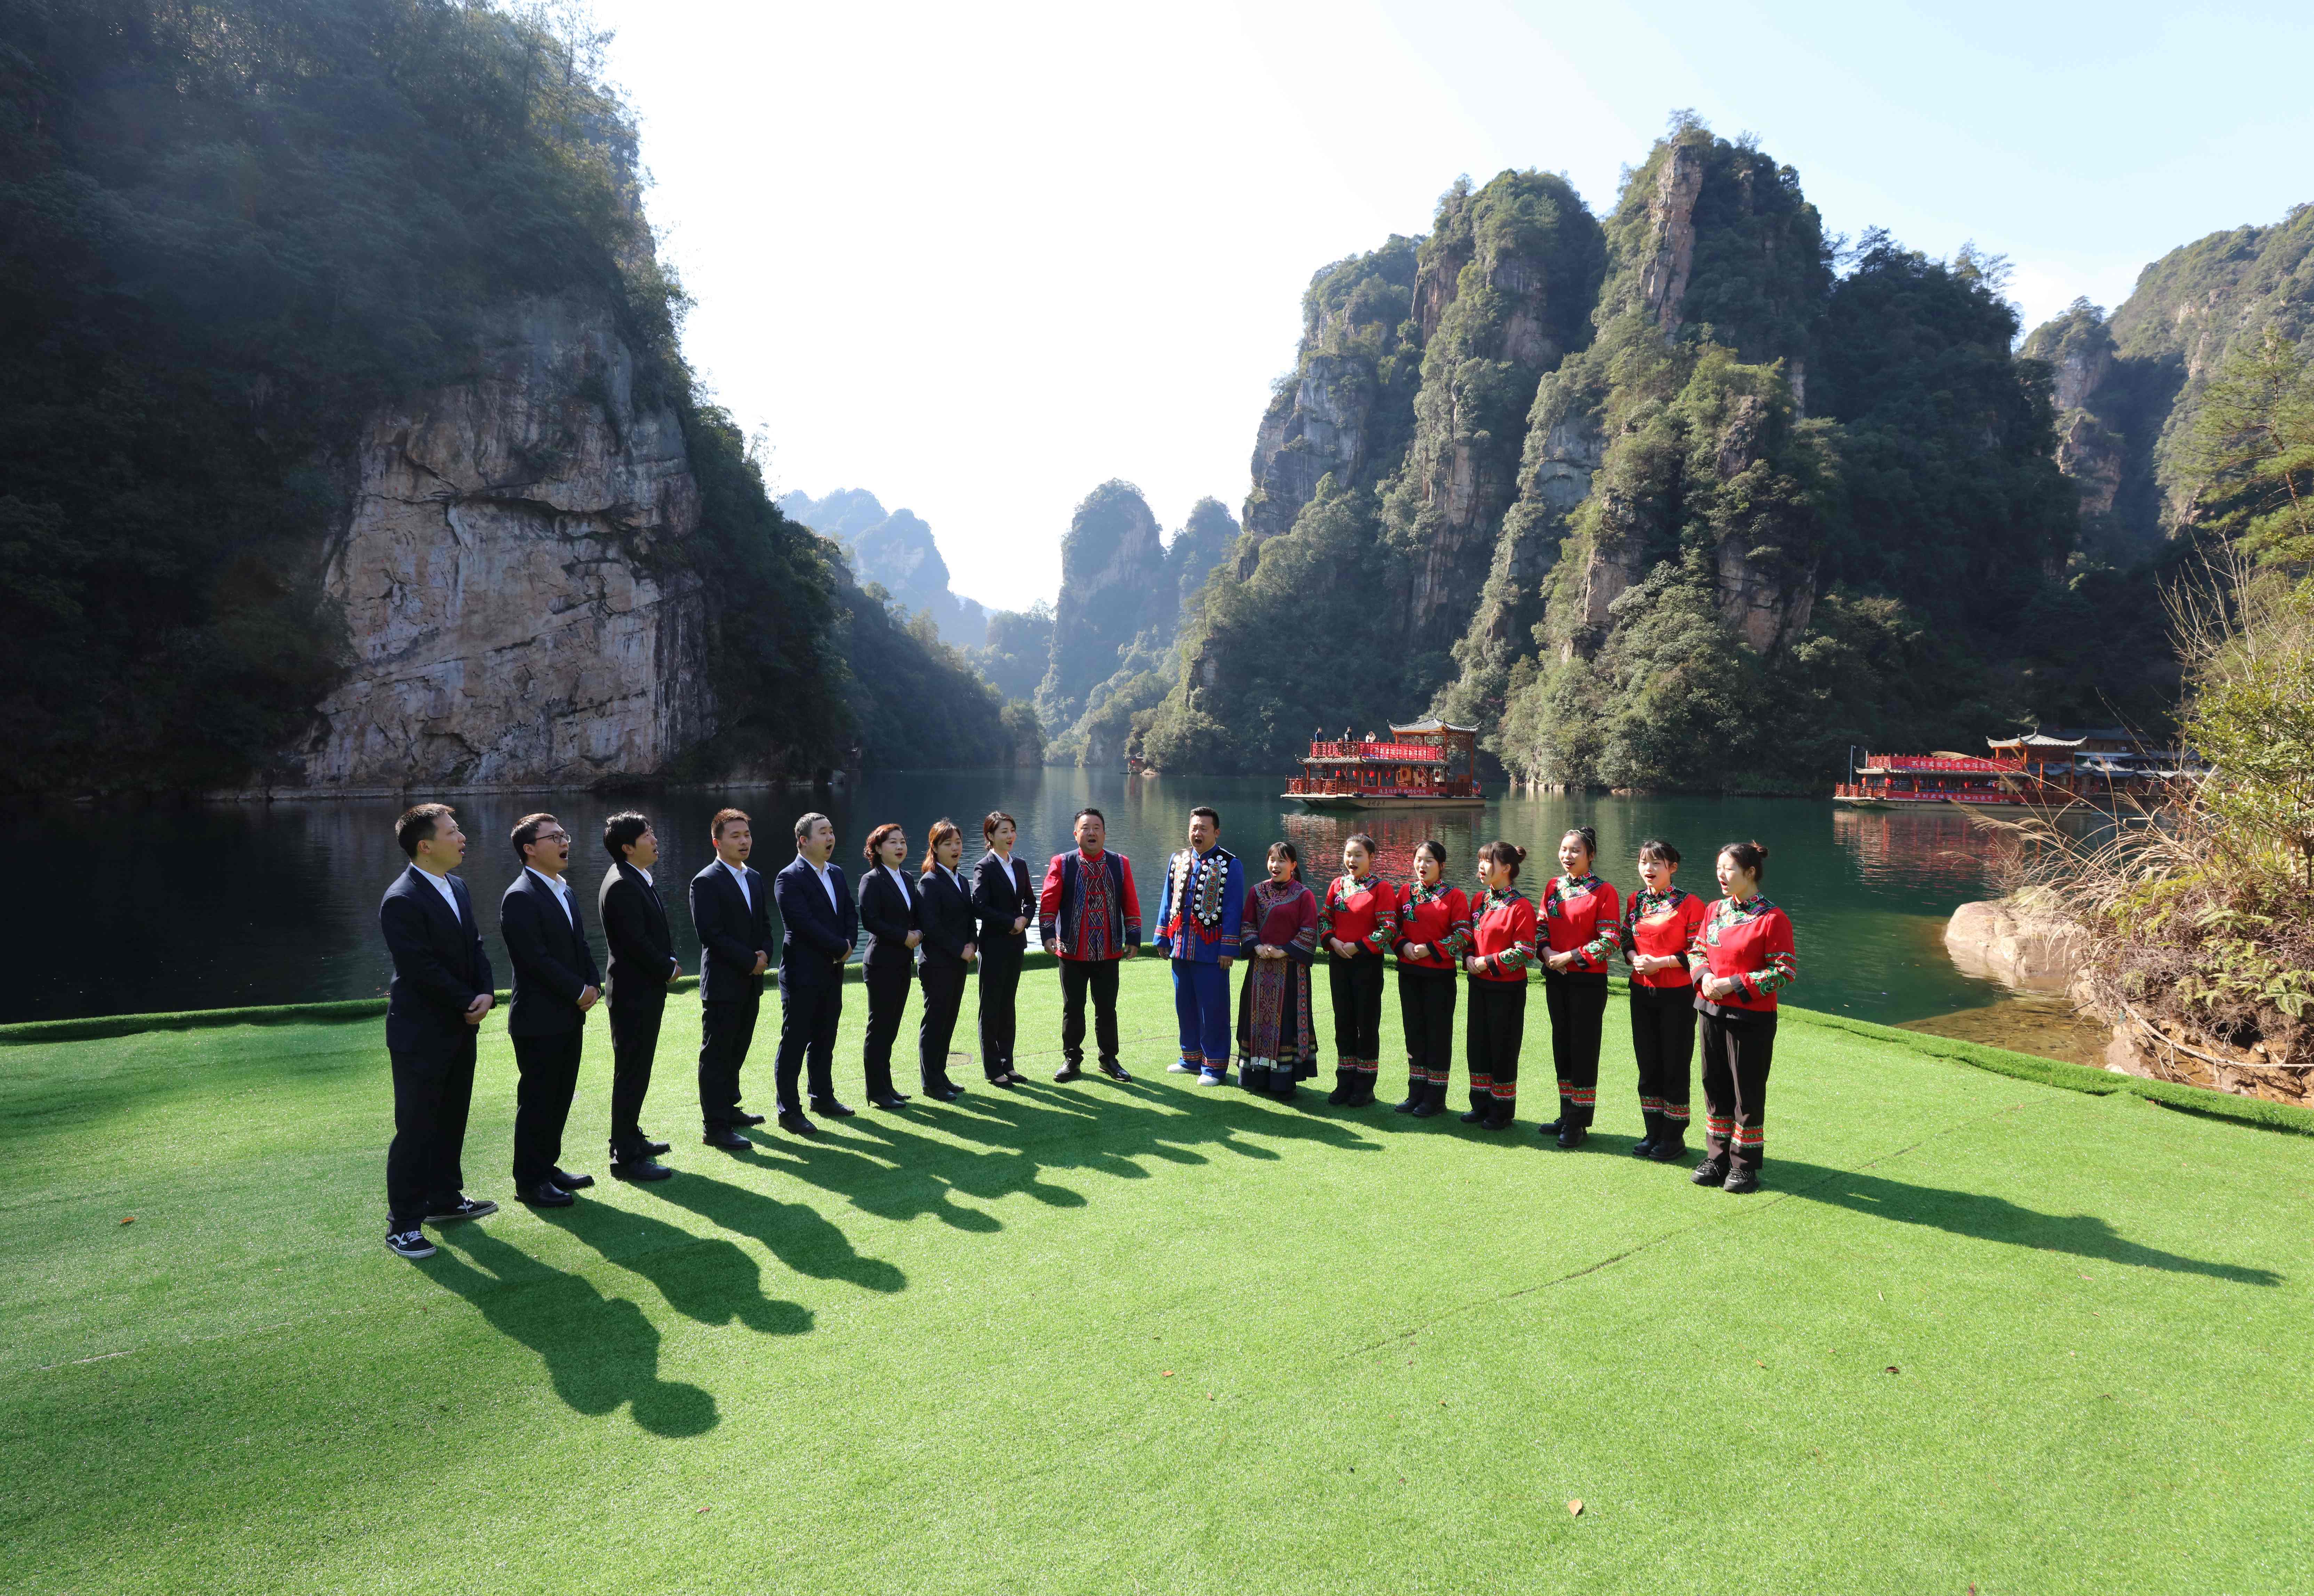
x,y
1156,1337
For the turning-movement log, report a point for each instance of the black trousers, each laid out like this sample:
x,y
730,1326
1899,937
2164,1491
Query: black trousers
x,y
1425,1007
1000,987
547,1068
888,1004
936,1027
1079,976
1355,984
1492,1035
433,1088
809,1015
1737,1053
725,1030
1663,1039
1578,1013
635,1044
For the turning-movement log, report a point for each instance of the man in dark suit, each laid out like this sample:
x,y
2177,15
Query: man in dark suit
x,y
643,966
442,988
555,982
821,924
888,915
732,912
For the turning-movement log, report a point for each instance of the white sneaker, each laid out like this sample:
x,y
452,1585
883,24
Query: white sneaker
x,y
1178,1068
1212,1078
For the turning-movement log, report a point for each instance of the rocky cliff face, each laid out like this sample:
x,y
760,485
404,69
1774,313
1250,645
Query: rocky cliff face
x,y
2129,387
514,617
897,550
1339,414
1113,588
1504,293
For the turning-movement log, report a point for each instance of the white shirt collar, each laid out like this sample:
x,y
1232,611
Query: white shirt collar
x,y
562,890
442,885
898,881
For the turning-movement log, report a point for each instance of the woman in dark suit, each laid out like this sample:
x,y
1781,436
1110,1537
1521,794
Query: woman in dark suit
x,y
1005,899
890,915
943,959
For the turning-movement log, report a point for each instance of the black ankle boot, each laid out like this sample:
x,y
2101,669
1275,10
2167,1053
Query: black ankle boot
x,y
1481,1103
1671,1141
1571,1137
1362,1085
1433,1100
1342,1091
1418,1087
1499,1113
1644,1147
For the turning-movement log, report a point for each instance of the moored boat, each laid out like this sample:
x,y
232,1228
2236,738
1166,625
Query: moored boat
x,y
1428,764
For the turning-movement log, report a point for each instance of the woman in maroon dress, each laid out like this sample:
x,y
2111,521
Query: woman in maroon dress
x,y
1277,1045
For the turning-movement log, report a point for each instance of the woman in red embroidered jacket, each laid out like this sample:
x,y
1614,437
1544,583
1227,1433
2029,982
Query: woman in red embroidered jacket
x,y
1434,928
1580,920
1502,946
1276,1044
1660,923
1743,956
1354,926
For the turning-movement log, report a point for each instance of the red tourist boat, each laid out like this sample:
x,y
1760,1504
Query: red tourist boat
x,y
1892,780
1428,764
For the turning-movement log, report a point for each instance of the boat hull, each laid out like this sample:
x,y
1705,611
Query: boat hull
x,y
1348,800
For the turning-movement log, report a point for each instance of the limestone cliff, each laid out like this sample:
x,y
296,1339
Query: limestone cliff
x,y
505,576
1345,409
2128,387
897,550
1503,293
1113,589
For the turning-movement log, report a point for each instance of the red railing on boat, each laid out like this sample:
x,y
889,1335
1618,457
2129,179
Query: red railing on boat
x,y
1387,753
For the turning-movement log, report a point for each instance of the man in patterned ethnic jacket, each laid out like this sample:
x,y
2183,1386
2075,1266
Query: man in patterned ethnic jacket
x,y
1089,916
1198,921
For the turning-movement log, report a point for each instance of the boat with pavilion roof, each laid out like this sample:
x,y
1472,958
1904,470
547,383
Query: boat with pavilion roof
x,y
1427,764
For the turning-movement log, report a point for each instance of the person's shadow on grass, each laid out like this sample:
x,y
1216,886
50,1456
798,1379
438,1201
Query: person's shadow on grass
x,y
1993,1219
708,1278
887,1167
799,1235
600,1351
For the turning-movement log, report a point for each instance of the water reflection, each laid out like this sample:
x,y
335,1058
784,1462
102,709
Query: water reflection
x,y
209,907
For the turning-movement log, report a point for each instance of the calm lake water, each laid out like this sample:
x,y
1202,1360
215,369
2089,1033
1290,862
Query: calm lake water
x,y
210,907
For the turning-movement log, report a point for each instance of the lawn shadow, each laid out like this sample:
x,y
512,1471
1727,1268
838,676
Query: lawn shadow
x,y
1993,1219
708,1278
600,1351
1012,1141
798,1234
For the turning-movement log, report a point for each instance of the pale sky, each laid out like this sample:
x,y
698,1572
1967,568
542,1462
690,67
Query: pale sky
x,y
979,259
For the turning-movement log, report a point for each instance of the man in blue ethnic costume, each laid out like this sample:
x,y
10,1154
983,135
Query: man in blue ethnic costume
x,y
1198,921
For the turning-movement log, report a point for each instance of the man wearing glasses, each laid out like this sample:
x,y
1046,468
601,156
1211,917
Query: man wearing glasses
x,y
555,982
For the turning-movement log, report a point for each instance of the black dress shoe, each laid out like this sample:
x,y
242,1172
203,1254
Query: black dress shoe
x,y
797,1125
1114,1070
741,1116
889,1100
948,1092
570,1182
828,1109
641,1168
1572,1137
545,1194
1067,1072
726,1138
657,1148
